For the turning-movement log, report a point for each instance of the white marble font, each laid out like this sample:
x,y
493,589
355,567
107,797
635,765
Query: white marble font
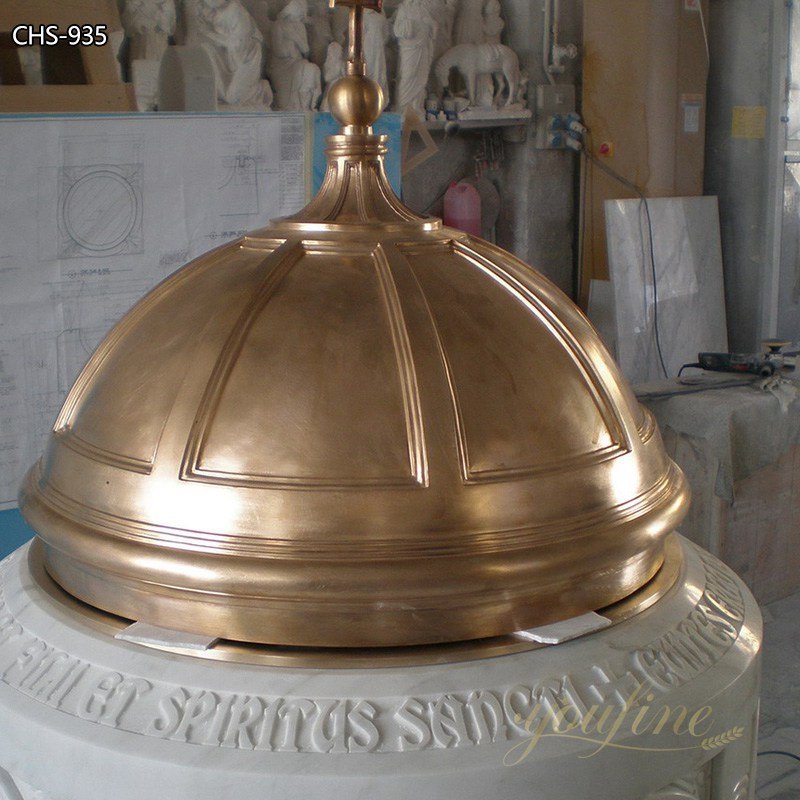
x,y
661,706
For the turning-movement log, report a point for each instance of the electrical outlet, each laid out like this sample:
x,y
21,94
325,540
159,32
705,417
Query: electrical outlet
x,y
553,103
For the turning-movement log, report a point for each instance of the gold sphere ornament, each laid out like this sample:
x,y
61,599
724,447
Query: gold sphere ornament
x,y
355,427
356,101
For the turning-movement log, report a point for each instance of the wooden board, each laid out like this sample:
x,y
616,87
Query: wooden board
x,y
91,83
62,13
59,99
644,85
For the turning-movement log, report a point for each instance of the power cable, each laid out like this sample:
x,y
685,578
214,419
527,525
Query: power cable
x,y
696,389
583,189
587,149
705,32
779,753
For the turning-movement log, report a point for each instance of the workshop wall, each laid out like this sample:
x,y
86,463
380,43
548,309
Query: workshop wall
x,y
644,98
537,187
743,160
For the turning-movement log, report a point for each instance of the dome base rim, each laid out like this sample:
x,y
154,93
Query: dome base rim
x,y
665,578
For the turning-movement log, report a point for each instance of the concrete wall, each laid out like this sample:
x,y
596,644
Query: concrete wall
x,y
537,187
746,37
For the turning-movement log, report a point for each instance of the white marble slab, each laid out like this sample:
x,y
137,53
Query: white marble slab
x,y
145,633
600,311
689,283
566,630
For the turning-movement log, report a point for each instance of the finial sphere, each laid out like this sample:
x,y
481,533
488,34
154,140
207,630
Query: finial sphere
x,y
356,100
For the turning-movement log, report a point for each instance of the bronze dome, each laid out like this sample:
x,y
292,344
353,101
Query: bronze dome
x,y
355,427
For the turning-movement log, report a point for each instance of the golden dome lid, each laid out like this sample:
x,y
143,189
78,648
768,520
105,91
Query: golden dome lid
x,y
355,427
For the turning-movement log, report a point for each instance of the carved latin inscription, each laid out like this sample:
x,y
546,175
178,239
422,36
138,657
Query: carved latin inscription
x,y
366,725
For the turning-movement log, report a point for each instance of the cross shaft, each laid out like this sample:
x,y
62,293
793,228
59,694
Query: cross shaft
x,y
355,52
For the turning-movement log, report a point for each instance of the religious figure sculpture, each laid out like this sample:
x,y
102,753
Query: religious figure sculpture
x,y
444,32
296,80
149,24
468,28
475,60
227,32
339,18
320,31
333,70
376,35
259,11
493,22
450,11
416,31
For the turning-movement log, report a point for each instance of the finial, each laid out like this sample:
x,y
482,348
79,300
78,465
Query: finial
x,y
355,100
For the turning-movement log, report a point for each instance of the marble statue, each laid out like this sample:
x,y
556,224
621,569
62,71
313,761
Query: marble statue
x,y
376,36
320,31
449,23
259,11
475,60
493,22
443,11
297,81
149,24
227,32
444,33
468,27
485,90
340,16
333,69
416,32
521,99
30,61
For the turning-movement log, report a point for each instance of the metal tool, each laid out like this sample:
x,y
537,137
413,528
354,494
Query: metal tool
x,y
762,364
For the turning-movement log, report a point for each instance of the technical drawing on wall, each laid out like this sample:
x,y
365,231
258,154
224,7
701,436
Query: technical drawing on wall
x,y
240,160
100,196
100,210
105,208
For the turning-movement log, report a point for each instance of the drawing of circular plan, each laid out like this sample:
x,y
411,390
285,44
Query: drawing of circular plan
x,y
100,210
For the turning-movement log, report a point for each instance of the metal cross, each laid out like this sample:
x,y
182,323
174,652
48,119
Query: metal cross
x,y
355,54
374,4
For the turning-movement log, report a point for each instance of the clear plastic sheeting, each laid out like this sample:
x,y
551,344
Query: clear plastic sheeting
x,y
745,428
720,437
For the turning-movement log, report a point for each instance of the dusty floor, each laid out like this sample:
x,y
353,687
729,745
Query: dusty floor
x,y
779,776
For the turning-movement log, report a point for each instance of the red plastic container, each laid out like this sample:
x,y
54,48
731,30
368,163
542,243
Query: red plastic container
x,y
462,208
